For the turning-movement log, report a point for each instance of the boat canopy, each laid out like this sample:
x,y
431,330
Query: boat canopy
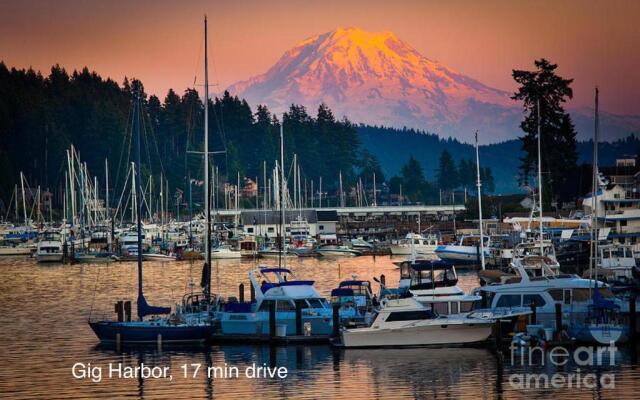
x,y
275,270
423,265
353,283
342,292
270,285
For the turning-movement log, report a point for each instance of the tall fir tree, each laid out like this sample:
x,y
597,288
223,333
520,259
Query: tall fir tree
x,y
414,184
545,87
447,173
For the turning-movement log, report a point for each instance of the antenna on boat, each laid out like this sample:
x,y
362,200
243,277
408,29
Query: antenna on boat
x,y
479,185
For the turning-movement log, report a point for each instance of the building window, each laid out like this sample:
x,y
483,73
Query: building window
x,y
250,230
321,227
270,230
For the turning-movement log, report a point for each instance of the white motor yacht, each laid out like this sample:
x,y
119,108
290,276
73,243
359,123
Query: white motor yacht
x,y
518,290
225,251
337,251
423,245
616,263
466,251
407,322
277,288
50,248
434,284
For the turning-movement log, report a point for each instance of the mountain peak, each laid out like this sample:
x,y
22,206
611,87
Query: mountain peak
x,y
360,35
372,77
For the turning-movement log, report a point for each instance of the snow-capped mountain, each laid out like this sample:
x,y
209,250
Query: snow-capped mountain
x,y
376,78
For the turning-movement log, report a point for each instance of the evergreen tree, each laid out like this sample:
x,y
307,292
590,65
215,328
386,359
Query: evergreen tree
x,y
488,184
558,135
370,165
447,173
465,175
414,184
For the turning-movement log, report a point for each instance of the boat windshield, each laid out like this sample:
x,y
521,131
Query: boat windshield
x,y
428,278
410,315
317,303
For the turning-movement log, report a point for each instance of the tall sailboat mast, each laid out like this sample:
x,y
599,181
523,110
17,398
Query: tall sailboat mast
x,y
479,186
593,260
207,208
540,180
283,258
138,194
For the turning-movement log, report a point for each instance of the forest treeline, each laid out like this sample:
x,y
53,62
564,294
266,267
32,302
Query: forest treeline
x,y
42,115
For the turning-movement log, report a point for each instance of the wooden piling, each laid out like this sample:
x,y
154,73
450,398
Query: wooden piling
x,y
336,319
272,320
632,319
241,292
127,311
558,321
498,335
299,317
534,316
383,280
159,341
120,310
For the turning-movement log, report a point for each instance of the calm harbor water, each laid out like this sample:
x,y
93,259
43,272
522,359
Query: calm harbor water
x,y
44,332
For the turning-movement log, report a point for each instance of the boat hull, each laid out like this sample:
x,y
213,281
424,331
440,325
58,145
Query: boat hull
x,y
258,323
94,259
49,257
137,333
339,253
459,254
157,257
405,250
601,333
220,255
270,254
15,251
430,335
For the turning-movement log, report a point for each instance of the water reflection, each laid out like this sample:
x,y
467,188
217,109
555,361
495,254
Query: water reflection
x,y
44,332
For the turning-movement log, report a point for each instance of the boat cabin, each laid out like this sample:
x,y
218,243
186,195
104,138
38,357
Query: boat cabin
x,y
248,247
353,293
427,274
434,283
474,240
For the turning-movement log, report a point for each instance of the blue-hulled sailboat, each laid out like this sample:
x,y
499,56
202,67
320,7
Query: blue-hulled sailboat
x,y
176,328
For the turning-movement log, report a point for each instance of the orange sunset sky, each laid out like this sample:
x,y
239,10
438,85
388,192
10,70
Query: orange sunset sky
x,y
160,42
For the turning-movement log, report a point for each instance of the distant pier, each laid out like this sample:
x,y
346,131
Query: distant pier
x,y
379,222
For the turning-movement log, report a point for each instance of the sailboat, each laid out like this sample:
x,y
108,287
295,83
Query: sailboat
x,y
602,324
172,329
469,250
277,287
